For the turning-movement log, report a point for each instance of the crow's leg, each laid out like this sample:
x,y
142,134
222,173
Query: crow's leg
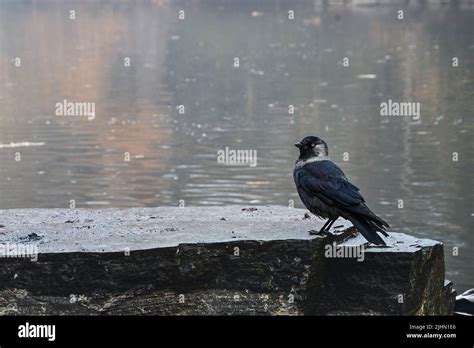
x,y
324,227
322,230
330,224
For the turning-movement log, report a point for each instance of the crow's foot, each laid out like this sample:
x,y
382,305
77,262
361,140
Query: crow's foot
x,y
317,233
320,233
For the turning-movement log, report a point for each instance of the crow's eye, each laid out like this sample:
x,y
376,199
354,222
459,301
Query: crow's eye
x,y
313,145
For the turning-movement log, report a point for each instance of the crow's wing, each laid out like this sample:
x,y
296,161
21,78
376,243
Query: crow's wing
x,y
326,181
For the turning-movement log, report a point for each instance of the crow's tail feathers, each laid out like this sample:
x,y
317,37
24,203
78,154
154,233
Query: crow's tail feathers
x,y
369,228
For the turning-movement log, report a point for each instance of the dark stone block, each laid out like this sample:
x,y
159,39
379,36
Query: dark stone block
x,y
214,261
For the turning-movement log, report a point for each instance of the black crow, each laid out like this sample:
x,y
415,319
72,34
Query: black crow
x,y
327,193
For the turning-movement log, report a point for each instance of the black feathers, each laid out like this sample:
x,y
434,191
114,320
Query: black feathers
x,y
326,192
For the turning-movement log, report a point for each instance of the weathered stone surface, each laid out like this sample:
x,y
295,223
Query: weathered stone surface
x,y
219,260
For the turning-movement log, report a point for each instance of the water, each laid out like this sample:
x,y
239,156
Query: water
x,y
190,62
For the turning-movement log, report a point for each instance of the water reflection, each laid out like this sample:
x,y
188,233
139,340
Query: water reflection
x,y
281,62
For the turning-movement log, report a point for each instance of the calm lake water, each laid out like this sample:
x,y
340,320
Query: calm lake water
x,y
282,62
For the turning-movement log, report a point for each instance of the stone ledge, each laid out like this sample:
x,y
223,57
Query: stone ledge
x,y
216,260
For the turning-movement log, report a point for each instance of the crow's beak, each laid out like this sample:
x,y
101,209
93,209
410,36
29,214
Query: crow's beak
x,y
298,145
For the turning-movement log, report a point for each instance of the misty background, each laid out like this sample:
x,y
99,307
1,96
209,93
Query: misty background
x,y
282,62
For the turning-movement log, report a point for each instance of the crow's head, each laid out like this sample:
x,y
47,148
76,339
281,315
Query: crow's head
x,y
312,147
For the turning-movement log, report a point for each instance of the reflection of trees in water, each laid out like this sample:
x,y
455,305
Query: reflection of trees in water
x,y
282,62
82,60
298,62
